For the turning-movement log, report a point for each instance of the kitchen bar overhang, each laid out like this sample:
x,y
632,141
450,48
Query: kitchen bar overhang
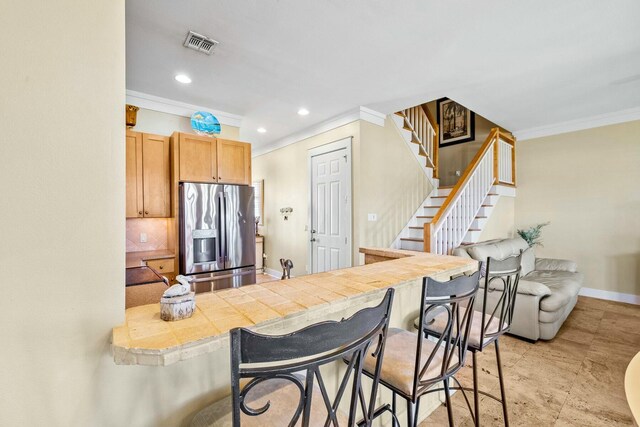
x,y
282,306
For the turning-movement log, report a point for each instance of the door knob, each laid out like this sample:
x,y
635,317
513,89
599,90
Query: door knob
x,y
313,239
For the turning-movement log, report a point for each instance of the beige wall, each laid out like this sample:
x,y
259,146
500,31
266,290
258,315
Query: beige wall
x,y
586,184
386,180
392,184
151,121
500,224
286,184
63,229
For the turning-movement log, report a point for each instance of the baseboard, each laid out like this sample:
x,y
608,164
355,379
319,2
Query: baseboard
x,y
611,296
273,273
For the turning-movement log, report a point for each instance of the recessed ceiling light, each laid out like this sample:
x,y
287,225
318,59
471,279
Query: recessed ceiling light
x,y
262,130
303,111
183,78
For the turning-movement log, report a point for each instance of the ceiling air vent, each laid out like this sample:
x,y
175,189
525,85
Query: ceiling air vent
x,y
200,43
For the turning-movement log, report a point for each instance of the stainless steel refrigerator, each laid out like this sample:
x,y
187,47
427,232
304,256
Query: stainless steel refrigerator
x,y
217,235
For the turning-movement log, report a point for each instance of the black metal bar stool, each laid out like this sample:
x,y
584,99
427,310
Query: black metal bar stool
x,y
412,364
276,380
494,320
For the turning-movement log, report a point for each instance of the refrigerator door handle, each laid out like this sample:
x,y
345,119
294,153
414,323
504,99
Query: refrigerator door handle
x,y
221,226
227,216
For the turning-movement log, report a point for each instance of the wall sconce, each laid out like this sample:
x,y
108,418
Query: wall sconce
x,y
285,212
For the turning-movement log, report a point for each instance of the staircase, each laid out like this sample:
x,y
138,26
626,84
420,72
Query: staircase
x,y
453,216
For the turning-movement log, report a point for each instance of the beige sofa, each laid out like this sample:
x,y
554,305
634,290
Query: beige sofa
x,y
547,292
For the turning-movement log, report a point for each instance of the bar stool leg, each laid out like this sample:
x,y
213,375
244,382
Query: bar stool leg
x,y
476,397
448,400
410,417
393,409
502,391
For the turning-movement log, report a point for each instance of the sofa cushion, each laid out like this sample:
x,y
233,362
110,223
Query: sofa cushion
x,y
551,264
564,286
528,262
463,251
499,250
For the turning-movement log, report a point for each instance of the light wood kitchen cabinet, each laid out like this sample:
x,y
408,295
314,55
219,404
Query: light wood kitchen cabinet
x,y
212,160
147,176
198,159
234,162
134,201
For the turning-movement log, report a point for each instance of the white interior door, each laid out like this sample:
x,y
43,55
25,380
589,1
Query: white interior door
x,y
330,232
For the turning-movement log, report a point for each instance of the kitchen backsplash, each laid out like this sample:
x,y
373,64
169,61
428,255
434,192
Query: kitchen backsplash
x,y
156,230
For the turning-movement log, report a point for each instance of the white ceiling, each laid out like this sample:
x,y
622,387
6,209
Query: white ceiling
x,y
522,65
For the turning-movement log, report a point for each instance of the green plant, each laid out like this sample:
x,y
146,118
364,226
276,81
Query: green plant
x,y
533,235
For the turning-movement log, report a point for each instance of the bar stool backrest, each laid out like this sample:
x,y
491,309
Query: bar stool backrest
x,y
454,300
264,357
501,280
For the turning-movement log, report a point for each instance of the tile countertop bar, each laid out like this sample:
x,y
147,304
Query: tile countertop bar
x,y
136,259
274,307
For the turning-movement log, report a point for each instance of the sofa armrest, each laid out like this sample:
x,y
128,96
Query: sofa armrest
x,y
525,287
550,264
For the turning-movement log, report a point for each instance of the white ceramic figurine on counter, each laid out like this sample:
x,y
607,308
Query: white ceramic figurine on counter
x,y
178,302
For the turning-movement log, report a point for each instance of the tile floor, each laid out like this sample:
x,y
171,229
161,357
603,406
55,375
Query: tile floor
x,y
577,379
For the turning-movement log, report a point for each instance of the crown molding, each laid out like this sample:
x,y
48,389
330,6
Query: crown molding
x,y
580,124
360,113
164,105
372,116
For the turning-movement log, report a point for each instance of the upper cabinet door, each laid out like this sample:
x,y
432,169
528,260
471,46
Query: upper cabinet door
x,y
134,199
197,158
234,162
156,176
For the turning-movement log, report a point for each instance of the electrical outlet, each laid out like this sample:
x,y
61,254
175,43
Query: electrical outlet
x,y
143,237
372,217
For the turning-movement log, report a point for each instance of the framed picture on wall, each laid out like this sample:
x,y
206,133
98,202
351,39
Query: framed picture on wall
x,y
456,122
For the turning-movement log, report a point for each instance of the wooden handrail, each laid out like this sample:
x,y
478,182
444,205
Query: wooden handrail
x,y
436,151
507,137
432,120
428,227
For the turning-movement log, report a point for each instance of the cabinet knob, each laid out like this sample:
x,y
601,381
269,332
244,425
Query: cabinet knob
x,y
161,267
139,212
146,212
219,177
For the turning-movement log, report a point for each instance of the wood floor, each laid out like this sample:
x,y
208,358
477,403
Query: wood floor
x,y
577,379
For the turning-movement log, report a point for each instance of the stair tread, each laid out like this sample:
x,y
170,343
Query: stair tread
x,y
487,206
439,197
412,239
416,227
425,206
474,229
423,216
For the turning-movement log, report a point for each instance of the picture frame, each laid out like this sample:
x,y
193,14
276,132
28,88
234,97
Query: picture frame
x,y
457,124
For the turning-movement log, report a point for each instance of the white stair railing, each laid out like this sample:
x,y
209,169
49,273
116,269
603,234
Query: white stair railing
x,y
494,163
424,132
506,159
